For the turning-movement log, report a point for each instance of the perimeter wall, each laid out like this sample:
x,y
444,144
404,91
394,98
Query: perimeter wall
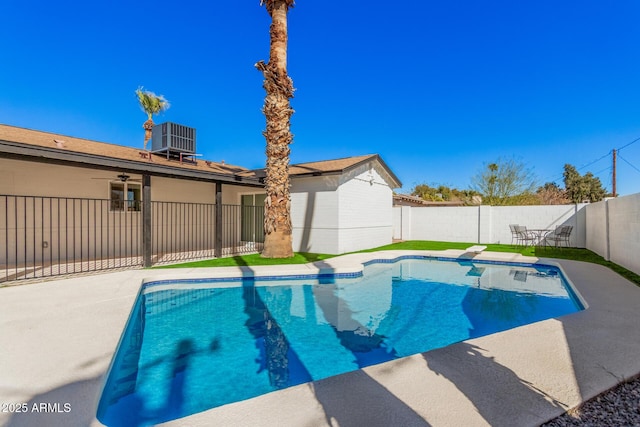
x,y
484,224
613,230
610,228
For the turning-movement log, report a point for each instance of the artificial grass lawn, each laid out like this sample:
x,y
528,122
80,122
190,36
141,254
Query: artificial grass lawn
x,y
305,257
252,259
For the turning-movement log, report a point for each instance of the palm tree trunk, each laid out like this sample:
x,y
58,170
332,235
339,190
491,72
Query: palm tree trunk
x,y
277,110
148,128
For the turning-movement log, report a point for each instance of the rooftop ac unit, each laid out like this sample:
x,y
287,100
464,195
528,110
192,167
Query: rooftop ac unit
x,y
173,139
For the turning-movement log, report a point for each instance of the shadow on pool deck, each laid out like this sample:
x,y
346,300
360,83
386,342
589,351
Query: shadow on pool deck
x,y
79,412
359,400
476,376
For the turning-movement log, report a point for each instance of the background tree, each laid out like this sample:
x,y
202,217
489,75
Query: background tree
x,y
551,194
523,199
506,182
582,188
426,192
442,193
277,110
573,184
151,104
596,190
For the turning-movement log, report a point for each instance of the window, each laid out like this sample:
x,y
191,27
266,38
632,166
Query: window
x,y
125,196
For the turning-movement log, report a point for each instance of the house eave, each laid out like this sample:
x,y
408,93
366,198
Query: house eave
x,y
20,151
396,182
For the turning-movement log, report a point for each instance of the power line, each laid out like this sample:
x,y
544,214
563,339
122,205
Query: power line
x,y
608,168
595,161
632,142
620,157
557,177
602,179
609,176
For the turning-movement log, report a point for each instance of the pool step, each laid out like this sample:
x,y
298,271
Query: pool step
x,y
476,249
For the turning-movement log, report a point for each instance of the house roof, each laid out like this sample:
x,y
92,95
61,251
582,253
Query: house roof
x,y
44,146
418,201
50,147
335,166
406,198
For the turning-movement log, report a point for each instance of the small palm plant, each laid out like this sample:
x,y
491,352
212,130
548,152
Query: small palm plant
x,y
151,104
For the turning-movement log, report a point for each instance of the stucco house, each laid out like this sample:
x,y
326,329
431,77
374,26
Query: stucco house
x,y
85,189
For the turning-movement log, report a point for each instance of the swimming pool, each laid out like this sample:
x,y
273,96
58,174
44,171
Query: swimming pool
x,y
194,345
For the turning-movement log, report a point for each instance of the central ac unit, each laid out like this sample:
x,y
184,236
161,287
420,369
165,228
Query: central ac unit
x,y
173,139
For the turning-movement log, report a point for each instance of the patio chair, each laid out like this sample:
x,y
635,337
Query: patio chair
x,y
523,236
514,233
559,237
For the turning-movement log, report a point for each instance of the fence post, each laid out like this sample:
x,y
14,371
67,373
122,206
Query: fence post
x,y
405,223
484,224
606,230
218,243
146,220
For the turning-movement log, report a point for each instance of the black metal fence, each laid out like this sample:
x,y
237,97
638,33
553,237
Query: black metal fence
x,y
50,236
185,231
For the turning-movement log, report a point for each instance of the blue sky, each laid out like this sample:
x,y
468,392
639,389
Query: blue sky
x,y
437,88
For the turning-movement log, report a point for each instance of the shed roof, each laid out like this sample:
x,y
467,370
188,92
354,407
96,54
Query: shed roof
x,y
335,166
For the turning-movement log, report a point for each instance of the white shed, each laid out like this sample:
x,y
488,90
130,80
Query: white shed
x,y
342,205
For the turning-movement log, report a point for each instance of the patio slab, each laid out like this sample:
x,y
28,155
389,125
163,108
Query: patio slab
x,y
58,338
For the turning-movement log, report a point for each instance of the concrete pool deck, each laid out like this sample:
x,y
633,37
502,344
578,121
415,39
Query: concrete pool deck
x,y
58,338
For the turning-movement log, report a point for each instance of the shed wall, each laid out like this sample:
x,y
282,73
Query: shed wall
x,y
365,209
314,214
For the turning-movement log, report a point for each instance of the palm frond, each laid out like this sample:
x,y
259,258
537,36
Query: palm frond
x,y
151,103
270,4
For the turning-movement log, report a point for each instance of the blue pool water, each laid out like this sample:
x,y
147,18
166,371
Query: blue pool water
x,y
194,345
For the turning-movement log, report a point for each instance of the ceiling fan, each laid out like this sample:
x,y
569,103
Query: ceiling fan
x,y
123,177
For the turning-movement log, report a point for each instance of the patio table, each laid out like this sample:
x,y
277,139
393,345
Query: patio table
x,y
538,234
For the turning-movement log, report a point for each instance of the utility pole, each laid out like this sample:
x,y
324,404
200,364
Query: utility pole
x,y
614,173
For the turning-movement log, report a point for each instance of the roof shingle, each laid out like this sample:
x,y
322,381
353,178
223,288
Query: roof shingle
x,y
51,141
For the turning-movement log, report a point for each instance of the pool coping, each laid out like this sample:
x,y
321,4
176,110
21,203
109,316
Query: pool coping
x,y
523,376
